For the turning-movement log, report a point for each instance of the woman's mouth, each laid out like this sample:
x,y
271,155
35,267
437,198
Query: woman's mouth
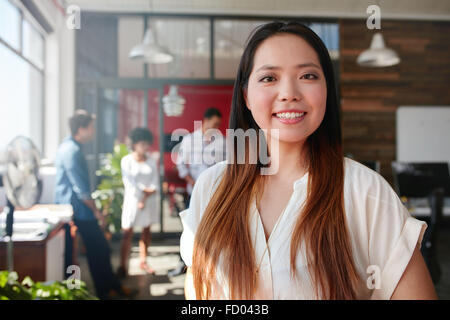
x,y
289,117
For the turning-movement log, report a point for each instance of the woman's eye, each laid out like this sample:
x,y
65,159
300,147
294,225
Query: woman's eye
x,y
267,79
309,76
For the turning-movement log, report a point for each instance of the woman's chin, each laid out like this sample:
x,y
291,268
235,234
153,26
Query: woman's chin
x,y
289,139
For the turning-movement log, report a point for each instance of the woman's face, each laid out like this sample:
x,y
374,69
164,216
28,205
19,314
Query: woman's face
x,y
287,88
141,147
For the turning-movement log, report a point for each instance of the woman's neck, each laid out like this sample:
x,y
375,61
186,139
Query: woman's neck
x,y
290,162
139,157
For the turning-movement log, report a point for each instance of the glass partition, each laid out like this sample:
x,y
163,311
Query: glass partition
x,y
130,33
229,42
189,41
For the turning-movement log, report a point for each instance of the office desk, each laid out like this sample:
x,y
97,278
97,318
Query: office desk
x,y
38,241
422,212
420,208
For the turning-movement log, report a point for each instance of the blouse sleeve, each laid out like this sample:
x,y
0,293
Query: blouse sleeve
x,y
393,237
190,218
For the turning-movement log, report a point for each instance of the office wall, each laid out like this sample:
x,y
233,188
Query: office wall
x,y
59,77
370,97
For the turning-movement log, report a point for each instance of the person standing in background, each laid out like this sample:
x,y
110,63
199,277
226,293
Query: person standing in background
x,y
140,205
72,187
195,148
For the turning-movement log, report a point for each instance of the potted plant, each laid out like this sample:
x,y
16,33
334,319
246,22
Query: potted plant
x,y
109,194
12,289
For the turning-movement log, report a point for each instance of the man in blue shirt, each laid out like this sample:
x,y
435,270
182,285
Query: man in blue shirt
x,y
72,187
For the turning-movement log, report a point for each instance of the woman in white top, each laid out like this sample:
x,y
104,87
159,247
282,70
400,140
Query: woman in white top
x,y
140,205
319,226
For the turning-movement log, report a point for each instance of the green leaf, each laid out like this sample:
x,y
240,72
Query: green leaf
x,y
109,194
10,289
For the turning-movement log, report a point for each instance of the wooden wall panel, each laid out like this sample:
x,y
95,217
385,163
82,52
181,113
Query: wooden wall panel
x,y
370,96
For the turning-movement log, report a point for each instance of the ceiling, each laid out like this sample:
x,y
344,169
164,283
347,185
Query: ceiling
x,y
390,9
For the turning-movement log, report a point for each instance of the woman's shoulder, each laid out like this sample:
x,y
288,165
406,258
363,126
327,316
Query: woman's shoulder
x,y
209,178
361,174
362,182
127,158
204,188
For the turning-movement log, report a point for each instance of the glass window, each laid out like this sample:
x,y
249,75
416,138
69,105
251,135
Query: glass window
x,y
229,41
33,44
230,37
21,89
10,24
120,111
96,46
329,33
188,40
130,33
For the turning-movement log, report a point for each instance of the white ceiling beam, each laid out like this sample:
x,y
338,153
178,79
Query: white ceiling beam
x,y
390,9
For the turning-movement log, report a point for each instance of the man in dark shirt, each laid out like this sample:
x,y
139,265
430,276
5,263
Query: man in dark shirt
x,y
72,187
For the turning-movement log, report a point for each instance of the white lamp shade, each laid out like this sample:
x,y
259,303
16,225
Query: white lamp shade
x,y
150,51
173,104
378,55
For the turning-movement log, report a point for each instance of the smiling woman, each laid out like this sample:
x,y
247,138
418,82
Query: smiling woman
x,y
319,224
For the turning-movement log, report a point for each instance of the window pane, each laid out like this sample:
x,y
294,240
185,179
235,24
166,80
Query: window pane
x,y
188,41
21,111
96,46
130,113
229,41
120,111
33,44
9,23
130,33
329,33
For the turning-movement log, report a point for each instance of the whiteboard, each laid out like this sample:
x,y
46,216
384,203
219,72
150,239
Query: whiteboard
x,y
423,133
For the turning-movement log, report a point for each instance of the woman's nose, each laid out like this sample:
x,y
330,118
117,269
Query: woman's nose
x,y
289,91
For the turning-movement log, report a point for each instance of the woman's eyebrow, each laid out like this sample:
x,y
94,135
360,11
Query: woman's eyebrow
x,y
299,66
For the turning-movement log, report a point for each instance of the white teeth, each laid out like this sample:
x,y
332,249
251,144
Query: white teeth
x,y
289,115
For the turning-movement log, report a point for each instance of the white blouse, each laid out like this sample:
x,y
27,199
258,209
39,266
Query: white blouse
x,y
136,177
382,233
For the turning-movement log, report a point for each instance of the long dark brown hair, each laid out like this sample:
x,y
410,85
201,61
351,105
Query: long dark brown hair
x,y
321,227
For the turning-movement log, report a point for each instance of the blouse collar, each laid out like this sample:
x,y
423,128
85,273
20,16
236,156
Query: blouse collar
x,y
300,182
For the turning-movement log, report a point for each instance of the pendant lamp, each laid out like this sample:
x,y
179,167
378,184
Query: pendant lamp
x,y
378,55
150,51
